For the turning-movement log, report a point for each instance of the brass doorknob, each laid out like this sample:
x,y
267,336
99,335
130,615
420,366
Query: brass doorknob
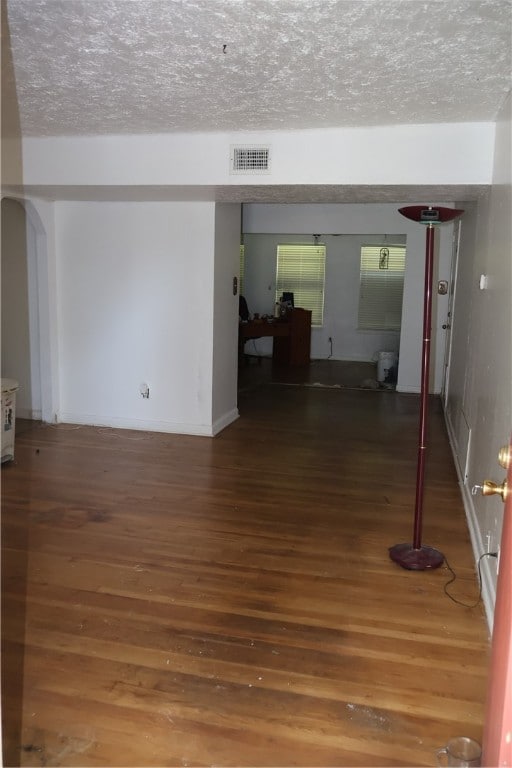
x,y
489,488
505,456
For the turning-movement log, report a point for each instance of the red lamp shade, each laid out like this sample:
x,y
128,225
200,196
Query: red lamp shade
x,y
427,214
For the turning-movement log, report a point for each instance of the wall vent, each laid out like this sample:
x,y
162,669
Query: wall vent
x,y
250,159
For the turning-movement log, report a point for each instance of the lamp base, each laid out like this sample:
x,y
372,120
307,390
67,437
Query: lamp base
x,y
416,559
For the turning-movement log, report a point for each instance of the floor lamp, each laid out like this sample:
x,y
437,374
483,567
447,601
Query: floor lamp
x,y
416,556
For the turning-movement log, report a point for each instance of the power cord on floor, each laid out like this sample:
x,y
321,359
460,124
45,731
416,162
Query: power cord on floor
x,y
454,576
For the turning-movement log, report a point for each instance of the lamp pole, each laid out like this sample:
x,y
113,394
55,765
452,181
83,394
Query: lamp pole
x,y
416,556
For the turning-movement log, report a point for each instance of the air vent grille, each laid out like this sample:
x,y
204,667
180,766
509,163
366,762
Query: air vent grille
x,y
254,159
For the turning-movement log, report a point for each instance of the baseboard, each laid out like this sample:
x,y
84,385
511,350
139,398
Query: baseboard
x,y
94,420
225,421
488,585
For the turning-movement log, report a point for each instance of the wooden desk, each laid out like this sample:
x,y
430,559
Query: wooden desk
x,y
292,336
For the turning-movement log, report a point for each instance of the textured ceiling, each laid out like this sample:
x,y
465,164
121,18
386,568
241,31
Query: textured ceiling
x,y
151,66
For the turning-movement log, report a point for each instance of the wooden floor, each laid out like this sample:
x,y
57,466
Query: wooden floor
x,y
256,370
186,601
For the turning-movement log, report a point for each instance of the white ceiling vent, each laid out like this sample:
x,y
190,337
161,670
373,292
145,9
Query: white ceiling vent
x,y
250,159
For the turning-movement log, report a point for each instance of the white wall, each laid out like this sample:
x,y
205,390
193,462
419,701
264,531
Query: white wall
x,y
357,220
225,314
135,304
479,402
405,154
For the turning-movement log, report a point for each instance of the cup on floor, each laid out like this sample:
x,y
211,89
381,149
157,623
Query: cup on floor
x,y
461,751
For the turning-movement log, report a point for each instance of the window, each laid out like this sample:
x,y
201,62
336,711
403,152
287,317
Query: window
x,y
301,270
381,287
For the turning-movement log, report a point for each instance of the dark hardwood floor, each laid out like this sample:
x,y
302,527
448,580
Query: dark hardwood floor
x,y
186,601
255,370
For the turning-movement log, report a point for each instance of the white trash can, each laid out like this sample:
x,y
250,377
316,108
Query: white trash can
x,y
386,367
9,389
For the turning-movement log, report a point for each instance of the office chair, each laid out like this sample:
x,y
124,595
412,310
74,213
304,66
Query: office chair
x,y
243,314
243,309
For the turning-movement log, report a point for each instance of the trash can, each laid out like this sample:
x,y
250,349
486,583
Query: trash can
x,y
387,367
9,389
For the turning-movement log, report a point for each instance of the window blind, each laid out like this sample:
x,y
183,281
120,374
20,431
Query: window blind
x,y
381,287
301,270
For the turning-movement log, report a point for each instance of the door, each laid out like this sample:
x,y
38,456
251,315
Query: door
x,y
447,325
497,747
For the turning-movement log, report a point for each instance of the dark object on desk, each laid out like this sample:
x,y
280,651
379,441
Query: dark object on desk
x,y
292,336
243,309
287,299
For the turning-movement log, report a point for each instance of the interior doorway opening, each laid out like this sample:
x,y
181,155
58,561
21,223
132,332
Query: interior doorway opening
x,y
25,309
361,297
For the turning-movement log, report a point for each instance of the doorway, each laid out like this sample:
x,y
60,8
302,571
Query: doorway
x,y
340,337
29,335
20,308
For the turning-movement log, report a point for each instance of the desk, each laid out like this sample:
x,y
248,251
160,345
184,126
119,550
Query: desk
x,y
292,336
